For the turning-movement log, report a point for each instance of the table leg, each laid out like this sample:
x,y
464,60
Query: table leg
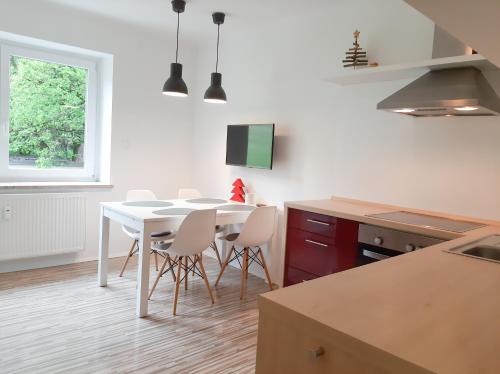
x,y
143,272
102,273
225,246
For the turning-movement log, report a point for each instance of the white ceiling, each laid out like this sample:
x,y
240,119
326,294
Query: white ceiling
x,y
196,21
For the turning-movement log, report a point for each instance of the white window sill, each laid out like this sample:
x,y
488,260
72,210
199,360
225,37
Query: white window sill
x,y
16,186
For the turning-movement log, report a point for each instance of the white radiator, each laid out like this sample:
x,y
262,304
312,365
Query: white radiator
x,y
34,225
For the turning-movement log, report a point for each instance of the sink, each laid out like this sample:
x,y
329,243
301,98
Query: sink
x,y
484,249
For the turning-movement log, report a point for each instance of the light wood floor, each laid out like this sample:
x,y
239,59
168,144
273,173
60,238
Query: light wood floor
x,y
57,320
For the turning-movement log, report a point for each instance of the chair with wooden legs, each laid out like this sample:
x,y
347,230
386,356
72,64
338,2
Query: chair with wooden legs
x,y
188,193
246,246
219,233
195,234
142,195
193,193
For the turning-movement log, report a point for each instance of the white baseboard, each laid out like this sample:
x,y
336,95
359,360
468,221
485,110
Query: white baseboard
x,y
48,261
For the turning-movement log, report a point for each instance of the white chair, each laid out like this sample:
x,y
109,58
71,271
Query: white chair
x,y
219,231
142,195
188,193
193,193
194,235
257,231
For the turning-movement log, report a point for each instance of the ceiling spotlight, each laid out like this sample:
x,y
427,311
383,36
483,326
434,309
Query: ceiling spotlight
x,y
404,110
466,108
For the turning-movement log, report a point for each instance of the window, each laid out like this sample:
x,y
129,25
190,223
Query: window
x,y
48,111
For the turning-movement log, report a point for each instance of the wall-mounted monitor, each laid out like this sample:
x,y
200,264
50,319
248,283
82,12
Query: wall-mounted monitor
x,y
250,145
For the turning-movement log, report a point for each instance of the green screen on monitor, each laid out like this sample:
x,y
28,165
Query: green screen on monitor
x,y
250,145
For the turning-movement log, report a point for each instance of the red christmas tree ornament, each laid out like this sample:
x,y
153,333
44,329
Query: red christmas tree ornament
x,y
238,182
238,191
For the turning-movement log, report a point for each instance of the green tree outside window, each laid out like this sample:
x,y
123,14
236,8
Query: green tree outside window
x,y
46,113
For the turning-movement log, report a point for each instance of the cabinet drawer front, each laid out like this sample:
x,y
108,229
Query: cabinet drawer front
x,y
294,276
311,222
290,344
310,252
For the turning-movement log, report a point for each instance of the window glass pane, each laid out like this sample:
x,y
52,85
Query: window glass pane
x,y
46,115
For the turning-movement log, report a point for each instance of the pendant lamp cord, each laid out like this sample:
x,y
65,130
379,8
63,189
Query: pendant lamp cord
x,y
177,48
217,60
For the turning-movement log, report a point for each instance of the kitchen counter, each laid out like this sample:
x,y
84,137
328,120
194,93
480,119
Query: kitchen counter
x,y
424,311
356,210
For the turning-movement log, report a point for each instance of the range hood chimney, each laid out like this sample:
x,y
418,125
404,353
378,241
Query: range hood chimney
x,y
462,91
446,45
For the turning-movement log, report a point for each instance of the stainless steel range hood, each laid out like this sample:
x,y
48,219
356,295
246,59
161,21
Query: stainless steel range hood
x,y
462,91
450,92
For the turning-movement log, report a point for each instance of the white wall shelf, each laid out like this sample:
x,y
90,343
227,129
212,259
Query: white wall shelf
x,y
408,70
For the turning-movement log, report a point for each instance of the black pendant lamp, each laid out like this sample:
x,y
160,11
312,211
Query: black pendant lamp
x,y
175,85
215,93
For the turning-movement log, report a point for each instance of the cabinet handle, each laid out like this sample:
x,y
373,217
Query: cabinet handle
x,y
317,352
317,243
318,222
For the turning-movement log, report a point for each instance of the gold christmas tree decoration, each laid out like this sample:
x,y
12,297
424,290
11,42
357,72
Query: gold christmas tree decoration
x,y
355,56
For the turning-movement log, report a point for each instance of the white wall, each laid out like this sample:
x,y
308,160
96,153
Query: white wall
x,y
147,126
330,139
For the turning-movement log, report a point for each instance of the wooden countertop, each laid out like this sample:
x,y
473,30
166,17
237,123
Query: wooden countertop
x,y
436,310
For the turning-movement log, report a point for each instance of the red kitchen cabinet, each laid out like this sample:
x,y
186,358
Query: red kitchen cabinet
x,y
318,245
294,276
311,222
310,252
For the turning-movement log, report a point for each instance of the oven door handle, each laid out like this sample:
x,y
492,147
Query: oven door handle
x,y
374,255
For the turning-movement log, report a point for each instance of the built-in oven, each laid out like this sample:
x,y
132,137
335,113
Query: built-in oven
x,y
378,243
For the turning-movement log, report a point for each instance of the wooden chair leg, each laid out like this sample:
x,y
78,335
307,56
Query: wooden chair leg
x,y
186,273
248,265
158,276
261,255
200,258
171,267
193,262
202,270
156,260
224,265
130,254
216,249
177,284
244,270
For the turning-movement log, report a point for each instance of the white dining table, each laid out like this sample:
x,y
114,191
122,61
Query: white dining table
x,y
150,216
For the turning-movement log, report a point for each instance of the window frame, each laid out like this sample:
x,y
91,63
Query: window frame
x,y
89,173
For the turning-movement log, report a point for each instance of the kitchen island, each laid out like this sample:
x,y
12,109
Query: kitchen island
x,y
427,311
